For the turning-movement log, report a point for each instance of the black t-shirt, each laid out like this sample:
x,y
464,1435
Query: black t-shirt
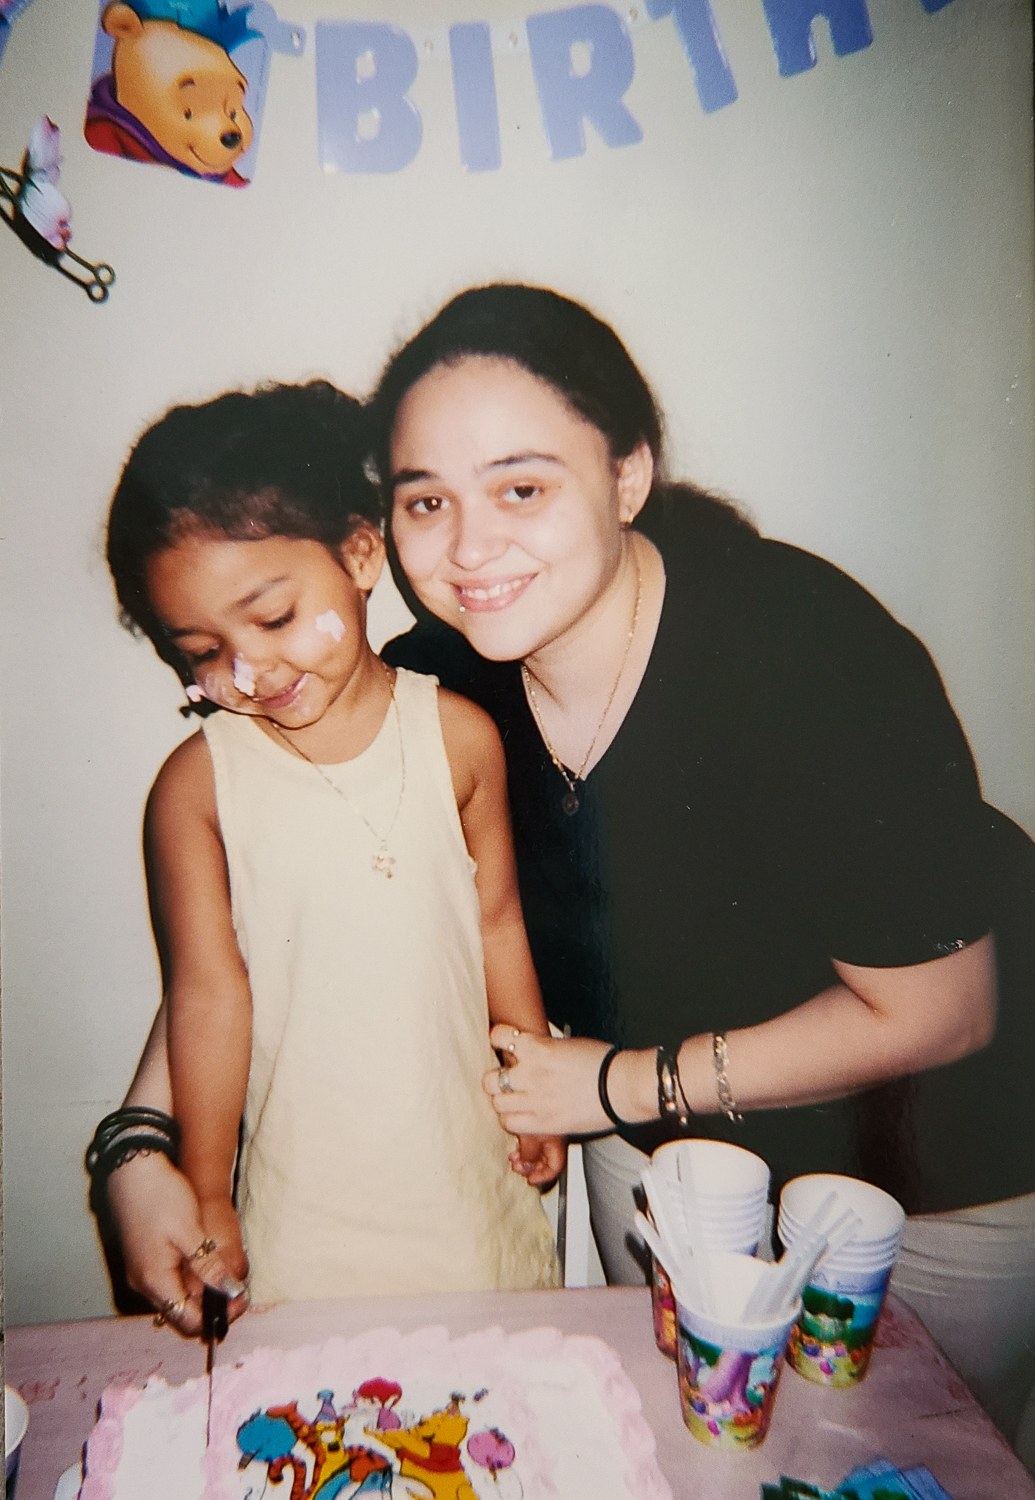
x,y
790,785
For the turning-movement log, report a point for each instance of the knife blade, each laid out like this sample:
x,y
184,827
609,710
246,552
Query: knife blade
x,y
214,1324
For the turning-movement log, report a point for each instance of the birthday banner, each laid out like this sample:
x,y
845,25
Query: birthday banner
x,y
181,83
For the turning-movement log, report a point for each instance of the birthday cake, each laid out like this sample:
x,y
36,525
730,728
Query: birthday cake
x,y
490,1416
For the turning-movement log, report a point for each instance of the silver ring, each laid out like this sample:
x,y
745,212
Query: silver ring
x,y
503,1076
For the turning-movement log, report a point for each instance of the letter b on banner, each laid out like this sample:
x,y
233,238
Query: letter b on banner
x,y
366,122
567,97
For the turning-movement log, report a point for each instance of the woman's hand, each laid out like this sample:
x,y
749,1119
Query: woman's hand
x,y
553,1084
161,1229
540,1158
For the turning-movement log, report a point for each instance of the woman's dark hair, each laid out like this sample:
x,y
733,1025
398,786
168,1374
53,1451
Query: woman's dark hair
x,y
550,336
563,343
283,460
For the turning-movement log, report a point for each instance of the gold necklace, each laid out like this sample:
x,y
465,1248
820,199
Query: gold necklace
x,y
382,861
570,801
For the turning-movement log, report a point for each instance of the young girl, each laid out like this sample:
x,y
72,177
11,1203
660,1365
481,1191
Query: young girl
x,y
331,867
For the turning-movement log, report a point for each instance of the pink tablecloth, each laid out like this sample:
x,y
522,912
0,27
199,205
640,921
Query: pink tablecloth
x,y
912,1407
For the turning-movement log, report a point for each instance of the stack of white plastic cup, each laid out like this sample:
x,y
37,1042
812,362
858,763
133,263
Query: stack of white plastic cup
x,y
731,1189
833,1340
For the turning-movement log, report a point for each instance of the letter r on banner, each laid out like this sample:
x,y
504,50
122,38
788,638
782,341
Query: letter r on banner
x,y
567,97
790,26
366,122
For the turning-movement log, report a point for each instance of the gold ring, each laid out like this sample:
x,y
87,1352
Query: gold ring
x,y
205,1248
503,1077
169,1309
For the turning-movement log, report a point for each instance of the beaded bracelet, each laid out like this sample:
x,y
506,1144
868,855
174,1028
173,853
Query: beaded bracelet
x,y
672,1100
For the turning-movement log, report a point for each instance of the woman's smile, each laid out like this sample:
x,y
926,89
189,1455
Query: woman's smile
x,y
483,596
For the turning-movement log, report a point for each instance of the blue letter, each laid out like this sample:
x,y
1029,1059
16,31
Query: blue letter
x,y
702,44
343,96
567,97
474,89
790,25
932,5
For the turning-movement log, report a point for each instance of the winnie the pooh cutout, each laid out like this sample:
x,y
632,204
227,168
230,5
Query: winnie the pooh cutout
x,y
181,83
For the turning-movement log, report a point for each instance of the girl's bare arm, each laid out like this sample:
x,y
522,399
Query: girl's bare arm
x,y
207,995
476,760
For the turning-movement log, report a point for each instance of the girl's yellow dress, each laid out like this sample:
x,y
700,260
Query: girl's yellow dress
x,y
371,1159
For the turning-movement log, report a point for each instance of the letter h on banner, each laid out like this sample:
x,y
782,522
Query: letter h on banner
x,y
790,26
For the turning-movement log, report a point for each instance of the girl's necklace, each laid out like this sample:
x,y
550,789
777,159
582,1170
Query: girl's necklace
x,y
382,861
570,801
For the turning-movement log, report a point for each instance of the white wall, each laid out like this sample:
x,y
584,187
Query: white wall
x,y
829,282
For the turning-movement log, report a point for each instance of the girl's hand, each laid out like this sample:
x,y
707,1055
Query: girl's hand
x,y
540,1158
553,1084
160,1229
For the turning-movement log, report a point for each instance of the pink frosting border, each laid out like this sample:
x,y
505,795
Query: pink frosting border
x,y
425,1353
104,1445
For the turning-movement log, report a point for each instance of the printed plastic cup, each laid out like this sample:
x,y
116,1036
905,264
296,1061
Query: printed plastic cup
x,y
16,1424
732,1190
832,1341
729,1369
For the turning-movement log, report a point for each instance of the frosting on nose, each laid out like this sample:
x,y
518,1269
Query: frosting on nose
x,y
244,677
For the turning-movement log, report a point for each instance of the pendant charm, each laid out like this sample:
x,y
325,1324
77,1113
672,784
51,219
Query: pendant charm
x,y
569,804
382,862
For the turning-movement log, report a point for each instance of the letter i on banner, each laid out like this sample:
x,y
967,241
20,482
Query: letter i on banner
x,y
366,121
474,88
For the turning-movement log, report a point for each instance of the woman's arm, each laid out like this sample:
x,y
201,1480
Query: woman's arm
x,y
875,1025
208,1001
475,755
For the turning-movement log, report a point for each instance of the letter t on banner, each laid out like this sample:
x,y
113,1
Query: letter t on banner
x,y
790,26
567,97
699,34
363,69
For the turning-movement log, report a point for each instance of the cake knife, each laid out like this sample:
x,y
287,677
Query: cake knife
x,y
214,1324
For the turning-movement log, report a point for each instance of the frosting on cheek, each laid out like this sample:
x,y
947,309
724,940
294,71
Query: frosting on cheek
x,y
330,623
194,693
244,677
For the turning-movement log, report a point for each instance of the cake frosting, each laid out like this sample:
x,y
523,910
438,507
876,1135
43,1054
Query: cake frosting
x,y
490,1416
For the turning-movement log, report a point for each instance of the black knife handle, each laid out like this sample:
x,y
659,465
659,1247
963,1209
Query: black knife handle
x,y
214,1322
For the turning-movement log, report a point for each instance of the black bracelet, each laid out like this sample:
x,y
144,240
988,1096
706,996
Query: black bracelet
x,y
605,1103
126,1133
672,1100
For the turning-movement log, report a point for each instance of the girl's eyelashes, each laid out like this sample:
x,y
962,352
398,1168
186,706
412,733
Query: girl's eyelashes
x,y
280,621
199,658
521,492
